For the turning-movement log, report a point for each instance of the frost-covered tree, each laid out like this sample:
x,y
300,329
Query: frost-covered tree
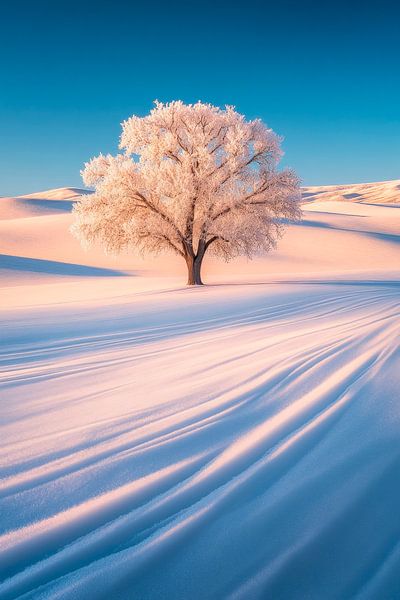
x,y
192,179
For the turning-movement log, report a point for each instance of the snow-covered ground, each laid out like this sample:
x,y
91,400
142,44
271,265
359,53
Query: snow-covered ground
x,y
239,440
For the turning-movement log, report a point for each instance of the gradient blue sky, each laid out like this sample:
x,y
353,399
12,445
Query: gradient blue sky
x,y
325,75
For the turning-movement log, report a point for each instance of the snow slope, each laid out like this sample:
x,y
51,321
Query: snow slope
x,y
67,193
234,441
40,203
382,192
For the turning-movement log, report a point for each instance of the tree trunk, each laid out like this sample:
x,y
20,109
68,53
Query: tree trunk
x,y
194,269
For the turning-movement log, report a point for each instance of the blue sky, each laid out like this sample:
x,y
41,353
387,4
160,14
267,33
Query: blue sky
x,y
324,75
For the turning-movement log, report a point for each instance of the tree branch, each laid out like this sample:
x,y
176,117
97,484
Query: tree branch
x,y
136,194
214,239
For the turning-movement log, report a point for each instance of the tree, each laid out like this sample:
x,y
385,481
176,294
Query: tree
x,y
193,179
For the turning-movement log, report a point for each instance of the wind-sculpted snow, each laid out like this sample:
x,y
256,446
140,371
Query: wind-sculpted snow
x,y
226,442
379,193
40,204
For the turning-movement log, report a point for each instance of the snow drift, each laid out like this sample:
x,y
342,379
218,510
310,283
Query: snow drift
x,y
383,192
40,203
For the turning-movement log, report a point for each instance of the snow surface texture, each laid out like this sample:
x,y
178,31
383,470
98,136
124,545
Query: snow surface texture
x,y
234,441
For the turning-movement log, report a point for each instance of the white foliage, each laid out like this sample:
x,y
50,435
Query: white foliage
x,y
192,178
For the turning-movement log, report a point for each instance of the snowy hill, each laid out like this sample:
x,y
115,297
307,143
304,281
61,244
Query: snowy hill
x,y
383,192
40,203
66,193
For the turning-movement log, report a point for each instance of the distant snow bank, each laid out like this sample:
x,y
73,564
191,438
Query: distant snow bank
x,y
381,192
40,203
66,193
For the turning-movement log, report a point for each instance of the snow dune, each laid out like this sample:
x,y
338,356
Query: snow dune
x,y
40,203
234,441
383,192
67,193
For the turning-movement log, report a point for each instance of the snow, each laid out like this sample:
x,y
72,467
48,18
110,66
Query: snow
x,y
40,203
382,192
67,193
238,440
